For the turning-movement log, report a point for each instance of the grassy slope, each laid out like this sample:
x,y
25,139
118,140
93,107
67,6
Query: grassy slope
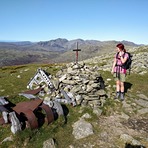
x,y
11,85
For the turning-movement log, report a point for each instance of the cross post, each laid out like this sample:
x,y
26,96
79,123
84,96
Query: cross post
x,y
77,50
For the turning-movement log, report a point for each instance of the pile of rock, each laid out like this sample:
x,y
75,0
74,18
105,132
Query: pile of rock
x,y
76,84
84,83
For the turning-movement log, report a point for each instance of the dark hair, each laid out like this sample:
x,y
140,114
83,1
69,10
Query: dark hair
x,y
121,47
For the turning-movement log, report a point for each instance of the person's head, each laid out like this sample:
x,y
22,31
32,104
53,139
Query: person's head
x,y
120,47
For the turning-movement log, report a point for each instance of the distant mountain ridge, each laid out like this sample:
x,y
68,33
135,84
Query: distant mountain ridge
x,y
64,43
57,50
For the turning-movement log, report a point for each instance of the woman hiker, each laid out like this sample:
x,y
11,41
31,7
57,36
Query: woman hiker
x,y
118,72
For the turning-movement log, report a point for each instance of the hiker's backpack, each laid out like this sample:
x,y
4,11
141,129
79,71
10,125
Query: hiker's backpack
x,y
128,63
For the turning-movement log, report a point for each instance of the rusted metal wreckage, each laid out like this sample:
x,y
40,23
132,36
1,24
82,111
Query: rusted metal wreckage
x,y
30,114
35,112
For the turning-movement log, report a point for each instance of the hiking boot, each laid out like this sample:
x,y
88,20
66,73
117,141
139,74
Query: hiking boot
x,y
122,96
117,95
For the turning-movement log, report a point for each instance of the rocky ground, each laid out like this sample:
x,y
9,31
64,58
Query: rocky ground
x,y
118,130
139,60
130,128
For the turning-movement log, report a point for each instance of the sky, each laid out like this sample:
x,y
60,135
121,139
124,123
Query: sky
x,y
103,20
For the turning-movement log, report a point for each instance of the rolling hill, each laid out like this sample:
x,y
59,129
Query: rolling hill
x,y
54,51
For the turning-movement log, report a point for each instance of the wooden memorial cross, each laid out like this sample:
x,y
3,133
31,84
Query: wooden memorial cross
x,y
77,50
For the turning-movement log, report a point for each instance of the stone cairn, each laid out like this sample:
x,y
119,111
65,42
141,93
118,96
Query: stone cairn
x,y
77,84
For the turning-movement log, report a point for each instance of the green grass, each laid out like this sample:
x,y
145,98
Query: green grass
x,y
139,83
14,79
